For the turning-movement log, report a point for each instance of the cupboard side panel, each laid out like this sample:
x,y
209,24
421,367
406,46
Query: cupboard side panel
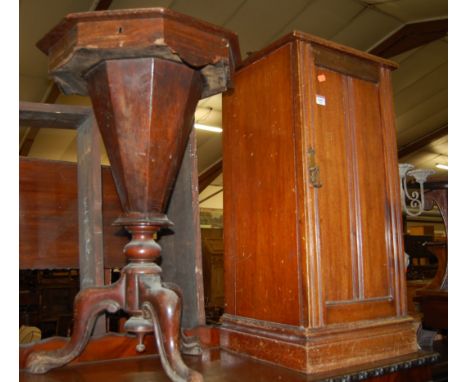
x,y
372,188
260,213
394,223
334,158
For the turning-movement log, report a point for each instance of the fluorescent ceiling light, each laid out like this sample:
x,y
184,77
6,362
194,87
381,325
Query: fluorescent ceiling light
x,y
442,166
213,129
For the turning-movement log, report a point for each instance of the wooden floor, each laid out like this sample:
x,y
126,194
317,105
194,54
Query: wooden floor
x,y
215,365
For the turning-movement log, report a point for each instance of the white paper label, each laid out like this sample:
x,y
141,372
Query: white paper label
x,y
320,100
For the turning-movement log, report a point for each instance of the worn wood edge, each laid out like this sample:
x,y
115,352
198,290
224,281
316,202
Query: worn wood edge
x,y
73,18
196,222
90,230
111,346
362,371
297,333
70,60
323,353
54,108
317,41
39,114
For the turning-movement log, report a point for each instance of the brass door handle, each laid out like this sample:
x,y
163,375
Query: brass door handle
x,y
314,170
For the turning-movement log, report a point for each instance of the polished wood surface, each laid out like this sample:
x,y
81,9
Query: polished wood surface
x,y
227,367
136,154
49,216
112,346
313,250
259,258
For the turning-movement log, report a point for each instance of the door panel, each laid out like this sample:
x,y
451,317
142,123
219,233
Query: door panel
x,y
372,187
352,201
337,231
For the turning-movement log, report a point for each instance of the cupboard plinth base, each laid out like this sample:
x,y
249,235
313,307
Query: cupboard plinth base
x,y
319,350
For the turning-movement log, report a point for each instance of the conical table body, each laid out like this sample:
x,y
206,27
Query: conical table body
x,y
144,108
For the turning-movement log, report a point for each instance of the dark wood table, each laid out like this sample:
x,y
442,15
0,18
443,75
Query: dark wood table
x,y
219,365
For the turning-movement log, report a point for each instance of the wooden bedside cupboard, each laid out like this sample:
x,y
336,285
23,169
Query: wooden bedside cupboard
x,y
314,262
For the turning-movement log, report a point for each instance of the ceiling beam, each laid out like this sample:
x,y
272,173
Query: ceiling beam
x,y
102,5
210,174
423,141
411,36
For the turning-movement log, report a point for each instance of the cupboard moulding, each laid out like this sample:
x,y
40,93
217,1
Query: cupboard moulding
x,y
329,55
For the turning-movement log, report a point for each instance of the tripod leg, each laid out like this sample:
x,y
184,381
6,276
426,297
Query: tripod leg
x,y
189,345
163,307
88,304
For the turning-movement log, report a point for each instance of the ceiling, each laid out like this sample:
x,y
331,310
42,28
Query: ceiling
x,y
420,84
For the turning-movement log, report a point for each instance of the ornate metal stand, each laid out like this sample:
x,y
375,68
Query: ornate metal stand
x,y
145,71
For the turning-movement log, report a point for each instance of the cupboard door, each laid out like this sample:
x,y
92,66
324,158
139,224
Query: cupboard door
x,y
335,204
353,249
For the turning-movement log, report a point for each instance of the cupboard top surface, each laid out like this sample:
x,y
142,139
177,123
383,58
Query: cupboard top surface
x,y
319,43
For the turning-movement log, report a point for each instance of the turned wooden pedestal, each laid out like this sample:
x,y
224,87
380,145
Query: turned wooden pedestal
x,y
145,70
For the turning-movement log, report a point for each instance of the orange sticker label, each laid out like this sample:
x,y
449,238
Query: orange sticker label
x,y
321,78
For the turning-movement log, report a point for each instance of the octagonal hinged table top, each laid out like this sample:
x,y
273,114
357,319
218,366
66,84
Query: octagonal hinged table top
x,y
82,40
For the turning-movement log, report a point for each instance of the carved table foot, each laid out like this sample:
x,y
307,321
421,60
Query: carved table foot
x,y
163,307
89,303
